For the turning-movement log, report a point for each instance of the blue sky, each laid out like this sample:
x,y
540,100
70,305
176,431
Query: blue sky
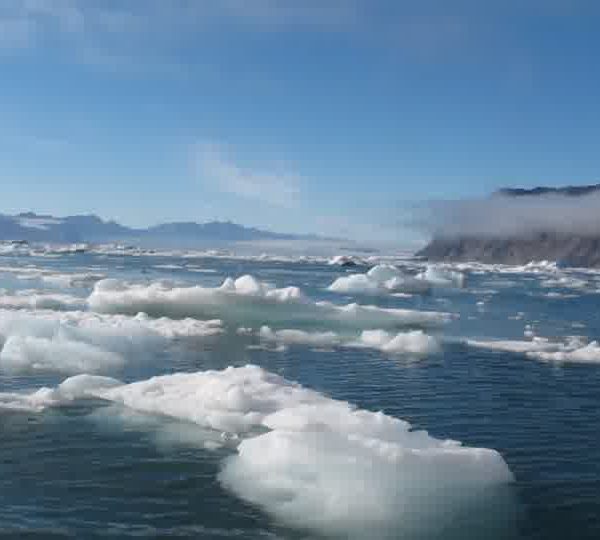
x,y
325,116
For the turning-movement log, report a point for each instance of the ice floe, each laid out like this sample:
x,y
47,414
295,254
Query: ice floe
x,y
34,299
385,278
312,462
247,301
415,342
52,277
572,349
82,342
300,337
345,261
439,276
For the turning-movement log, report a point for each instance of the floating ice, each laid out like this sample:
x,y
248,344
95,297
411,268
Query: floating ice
x,y
32,299
59,353
169,267
300,337
573,349
565,282
385,278
415,342
61,279
81,342
249,302
84,279
313,462
438,276
382,278
344,260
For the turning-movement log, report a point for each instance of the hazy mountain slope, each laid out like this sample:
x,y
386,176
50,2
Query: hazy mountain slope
x,y
33,227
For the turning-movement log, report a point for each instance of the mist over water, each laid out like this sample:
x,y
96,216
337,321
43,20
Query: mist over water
x,y
503,216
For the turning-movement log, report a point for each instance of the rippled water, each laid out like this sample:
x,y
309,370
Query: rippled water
x,y
91,469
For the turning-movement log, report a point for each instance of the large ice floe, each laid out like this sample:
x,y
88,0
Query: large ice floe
x,y
572,349
386,278
83,342
312,462
249,302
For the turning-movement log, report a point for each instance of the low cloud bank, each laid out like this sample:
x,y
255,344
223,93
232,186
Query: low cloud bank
x,y
508,216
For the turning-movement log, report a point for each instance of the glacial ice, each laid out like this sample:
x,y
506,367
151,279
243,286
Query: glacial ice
x,y
24,354
380,279
52,277
34,299
573,349
442,277
414,342
82,342
344,260
249,302
312,462
386,278
300,337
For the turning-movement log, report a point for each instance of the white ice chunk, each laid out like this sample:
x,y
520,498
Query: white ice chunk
x,y
314,462
438,276
30,354
382,278
251,303
82,342
300,337
415,342
573,349
33,299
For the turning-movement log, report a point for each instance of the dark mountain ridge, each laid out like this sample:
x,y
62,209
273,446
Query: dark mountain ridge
x,y
32,227
568,191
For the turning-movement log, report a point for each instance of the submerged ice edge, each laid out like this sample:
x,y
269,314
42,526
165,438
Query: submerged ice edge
x,y
305,458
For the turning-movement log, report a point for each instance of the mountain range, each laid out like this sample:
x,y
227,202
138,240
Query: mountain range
x,y
32,227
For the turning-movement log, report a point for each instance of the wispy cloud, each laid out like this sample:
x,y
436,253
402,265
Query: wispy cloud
x,y
216,169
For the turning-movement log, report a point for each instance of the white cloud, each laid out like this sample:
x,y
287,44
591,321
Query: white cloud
x,y
217,170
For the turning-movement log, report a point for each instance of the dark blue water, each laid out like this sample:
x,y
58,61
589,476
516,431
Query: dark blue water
x,y
81,472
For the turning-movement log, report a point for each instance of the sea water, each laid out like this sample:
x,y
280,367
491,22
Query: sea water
x,y
143,395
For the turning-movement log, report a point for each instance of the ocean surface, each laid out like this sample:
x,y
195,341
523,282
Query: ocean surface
x,y
310,400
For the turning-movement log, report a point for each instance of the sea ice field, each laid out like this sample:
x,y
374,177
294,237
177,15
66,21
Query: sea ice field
x,y
204,394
